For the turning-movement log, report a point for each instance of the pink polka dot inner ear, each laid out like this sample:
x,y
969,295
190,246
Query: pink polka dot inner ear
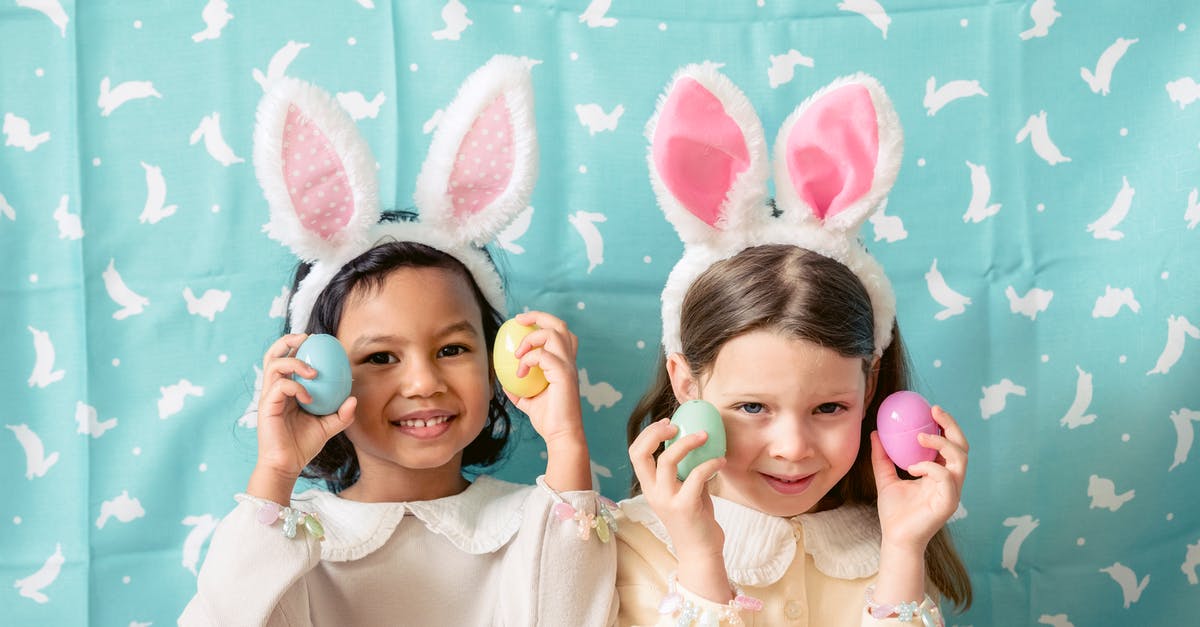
x,y
315,176
484,164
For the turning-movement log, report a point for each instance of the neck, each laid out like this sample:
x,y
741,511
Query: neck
x,y
383,482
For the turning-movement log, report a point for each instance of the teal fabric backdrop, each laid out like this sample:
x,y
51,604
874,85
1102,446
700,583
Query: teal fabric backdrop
x,y
1041,237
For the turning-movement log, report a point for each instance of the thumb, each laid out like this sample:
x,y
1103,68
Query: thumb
x,y
881,464
334,424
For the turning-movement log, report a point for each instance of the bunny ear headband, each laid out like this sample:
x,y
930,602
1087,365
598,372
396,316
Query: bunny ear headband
x,y
318,176
836,159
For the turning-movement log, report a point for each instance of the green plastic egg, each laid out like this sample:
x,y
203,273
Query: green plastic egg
x,y
693,417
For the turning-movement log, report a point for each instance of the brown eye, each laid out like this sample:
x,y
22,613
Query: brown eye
x,y
380,359
453,350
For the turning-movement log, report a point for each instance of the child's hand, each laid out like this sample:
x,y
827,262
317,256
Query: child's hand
x,y
555,412
289,437
911,512
684,507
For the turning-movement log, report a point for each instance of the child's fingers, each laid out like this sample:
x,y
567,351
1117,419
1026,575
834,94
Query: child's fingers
x,y
275,399
281,367
950,428
881,464
668,460
549,341
283,347
549,329
641,451
955,458
336,423
542,320
932,471
694,484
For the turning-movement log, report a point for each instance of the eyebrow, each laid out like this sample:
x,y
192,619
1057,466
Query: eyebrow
x,y
461,326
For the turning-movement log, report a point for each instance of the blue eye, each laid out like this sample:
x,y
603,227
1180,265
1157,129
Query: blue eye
x,y
751,408
829,408
453,350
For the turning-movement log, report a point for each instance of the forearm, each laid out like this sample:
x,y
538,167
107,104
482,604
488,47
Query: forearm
x,y
568,465
901,575
705,576
270,485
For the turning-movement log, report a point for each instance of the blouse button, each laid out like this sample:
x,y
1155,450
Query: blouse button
x,y
794,610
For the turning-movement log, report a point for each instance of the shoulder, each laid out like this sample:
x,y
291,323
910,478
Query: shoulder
x,y
481,519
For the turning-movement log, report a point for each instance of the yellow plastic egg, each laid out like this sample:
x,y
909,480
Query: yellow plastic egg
x,y
508,338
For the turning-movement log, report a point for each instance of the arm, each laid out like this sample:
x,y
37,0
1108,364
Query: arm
x,y
250,565
686,510
644,570
911,512
555,412
559,571
252,574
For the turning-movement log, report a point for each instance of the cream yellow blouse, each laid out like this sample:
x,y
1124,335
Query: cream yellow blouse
x,y
809,570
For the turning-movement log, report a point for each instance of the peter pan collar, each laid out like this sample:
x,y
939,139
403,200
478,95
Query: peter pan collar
x,y
844,542
481,519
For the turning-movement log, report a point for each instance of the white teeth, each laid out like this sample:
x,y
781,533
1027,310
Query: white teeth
x,y
423,423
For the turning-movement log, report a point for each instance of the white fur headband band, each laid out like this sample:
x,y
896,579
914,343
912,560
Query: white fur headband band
x,y
836,158
318,176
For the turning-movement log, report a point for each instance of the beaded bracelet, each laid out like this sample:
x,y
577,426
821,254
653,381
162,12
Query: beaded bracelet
x,y
906,612
269,511
605,524
687,612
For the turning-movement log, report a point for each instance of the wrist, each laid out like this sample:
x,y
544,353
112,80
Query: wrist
x,y
271,484
901,573
704,575
568,465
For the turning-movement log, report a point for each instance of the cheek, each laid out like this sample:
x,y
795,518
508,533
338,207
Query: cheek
x,y
843,441
473,377
742,443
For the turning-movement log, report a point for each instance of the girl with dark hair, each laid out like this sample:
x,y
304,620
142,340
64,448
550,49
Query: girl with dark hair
x,y
410,530
779,317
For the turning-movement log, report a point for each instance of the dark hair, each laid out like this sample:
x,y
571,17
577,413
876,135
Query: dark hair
x,y
337,463
800,294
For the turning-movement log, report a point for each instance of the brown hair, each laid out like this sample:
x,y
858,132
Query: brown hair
x,y
801,294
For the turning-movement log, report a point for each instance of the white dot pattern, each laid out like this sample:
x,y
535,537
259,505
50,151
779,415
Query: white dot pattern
x,y
313,171
484,164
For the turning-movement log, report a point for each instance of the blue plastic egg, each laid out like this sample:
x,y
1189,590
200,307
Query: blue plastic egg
x,y
331,387
692,417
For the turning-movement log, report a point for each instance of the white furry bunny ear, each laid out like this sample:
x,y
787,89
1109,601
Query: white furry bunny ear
x,y
837,155
483,160
316,172
707,156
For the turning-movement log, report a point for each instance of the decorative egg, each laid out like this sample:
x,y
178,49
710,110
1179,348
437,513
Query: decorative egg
x,y
508,339
902,415
693,417
331,387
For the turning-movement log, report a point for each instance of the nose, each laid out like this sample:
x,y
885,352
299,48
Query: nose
x,y
421,378
791,440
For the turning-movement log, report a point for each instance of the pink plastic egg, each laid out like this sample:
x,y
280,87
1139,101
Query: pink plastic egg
x,y
902,415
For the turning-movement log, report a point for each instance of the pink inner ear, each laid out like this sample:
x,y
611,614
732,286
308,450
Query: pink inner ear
x,y
698,149
316,177
832,150
484,165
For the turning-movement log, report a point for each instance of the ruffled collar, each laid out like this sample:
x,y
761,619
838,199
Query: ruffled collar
x,y
481,519
844,542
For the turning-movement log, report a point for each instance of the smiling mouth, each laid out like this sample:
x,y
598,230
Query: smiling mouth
x,y
424,428
428,422
786,485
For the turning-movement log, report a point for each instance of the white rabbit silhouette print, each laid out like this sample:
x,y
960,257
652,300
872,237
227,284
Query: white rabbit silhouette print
x,y
32,587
